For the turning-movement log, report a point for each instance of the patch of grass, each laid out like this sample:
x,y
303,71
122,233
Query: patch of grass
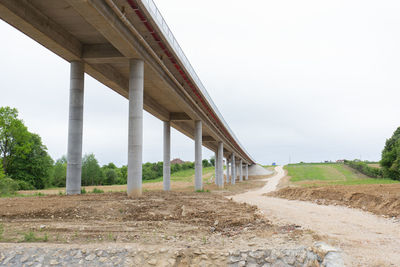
x,y
83,191
31,237
330,174
97,191
184,175
203,191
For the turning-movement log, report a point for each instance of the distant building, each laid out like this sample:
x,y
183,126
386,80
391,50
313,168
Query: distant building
x,y
340,161
273,164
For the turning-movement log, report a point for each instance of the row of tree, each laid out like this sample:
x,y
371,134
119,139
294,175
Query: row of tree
x,y
25,163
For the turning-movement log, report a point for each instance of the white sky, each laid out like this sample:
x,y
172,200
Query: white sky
x,y
309,80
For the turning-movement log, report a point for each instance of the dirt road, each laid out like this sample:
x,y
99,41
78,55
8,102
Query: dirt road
x,y
366,239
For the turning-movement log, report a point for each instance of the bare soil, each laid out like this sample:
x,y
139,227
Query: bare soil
x,y
366,239
163,219
378,199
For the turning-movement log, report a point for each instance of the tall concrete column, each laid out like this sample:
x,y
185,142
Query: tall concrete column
x,y
75,128
227,170
233,179
220,164
198,179
247,171
135,134
241,170
167,156
216,167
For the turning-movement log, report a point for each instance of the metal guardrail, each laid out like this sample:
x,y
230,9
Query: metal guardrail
x,y
169,36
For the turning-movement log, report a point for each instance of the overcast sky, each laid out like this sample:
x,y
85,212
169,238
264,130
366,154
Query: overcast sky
x,y
308,80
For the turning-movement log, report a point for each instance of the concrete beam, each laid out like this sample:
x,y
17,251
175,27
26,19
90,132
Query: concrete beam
x,y
179,116
135,135
101,53
75,129
208,139
25,17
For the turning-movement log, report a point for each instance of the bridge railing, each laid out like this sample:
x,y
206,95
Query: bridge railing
x,y
162,25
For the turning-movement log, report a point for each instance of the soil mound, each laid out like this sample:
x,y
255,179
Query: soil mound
x,y
378,199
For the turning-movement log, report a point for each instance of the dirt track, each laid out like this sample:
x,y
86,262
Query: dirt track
x,y
366,239
378,199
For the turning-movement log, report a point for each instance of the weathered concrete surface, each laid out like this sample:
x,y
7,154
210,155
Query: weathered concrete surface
x,y
135,134
75,128
198,176
167,156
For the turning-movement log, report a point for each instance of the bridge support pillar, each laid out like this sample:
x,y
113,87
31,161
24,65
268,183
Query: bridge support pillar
x,y
216,166
247,171
198,177
241,170
227,169
220,165
75,128
167,156
233,179
135,134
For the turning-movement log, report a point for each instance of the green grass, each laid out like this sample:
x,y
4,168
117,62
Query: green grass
x,y
97,191
31,237
330,174
184,175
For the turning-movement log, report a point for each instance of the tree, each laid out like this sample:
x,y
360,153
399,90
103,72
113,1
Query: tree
x,y
390,161
91,171
212,161
59,172
33,166
13,137
206,163
2,175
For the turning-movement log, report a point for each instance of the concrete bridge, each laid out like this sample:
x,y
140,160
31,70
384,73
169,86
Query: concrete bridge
x,y
127,46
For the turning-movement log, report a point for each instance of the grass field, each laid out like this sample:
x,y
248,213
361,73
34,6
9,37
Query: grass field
x,y
329,174
182,180
186,175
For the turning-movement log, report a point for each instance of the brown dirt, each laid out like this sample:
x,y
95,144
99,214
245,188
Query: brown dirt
x,y
378,199
182,218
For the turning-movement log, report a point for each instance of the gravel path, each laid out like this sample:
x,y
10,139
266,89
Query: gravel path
x,y
366,239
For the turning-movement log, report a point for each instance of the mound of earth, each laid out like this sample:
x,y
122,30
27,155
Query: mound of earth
x,y
378,199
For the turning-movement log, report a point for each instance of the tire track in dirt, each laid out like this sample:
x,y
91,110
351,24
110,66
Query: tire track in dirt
x,y
366,239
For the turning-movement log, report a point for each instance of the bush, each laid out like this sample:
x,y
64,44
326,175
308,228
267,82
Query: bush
x,y
23,185
364,168
8,186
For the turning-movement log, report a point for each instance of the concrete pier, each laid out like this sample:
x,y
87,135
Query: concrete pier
x,y
233,179
241,170
227,170
220,165
198,177
135,132
247,171
216,167
75,128
167,156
